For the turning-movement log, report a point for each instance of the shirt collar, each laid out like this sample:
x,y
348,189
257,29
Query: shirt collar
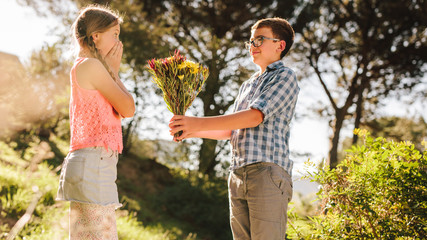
x,y
273,66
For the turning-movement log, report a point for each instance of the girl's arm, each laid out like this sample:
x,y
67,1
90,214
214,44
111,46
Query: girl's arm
x,y
119,82
113,59
93,73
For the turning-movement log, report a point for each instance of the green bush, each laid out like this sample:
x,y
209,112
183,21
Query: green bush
x,y
200,201
378,192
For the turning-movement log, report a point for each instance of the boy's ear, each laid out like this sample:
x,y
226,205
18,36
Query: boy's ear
x,y
282,45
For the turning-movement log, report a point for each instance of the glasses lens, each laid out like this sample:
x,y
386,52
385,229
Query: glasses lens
x,y
258,41
247,45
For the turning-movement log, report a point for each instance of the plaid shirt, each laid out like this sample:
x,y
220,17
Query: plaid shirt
x,y
275,94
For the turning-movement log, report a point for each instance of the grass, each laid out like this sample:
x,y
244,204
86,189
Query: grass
x,y
148,212
19,184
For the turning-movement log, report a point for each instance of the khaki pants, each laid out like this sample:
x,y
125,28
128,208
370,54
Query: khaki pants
x,y
259,195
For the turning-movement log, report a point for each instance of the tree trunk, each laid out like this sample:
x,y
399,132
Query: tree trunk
x,y
333,152
207,154
127,135
359,110
207,157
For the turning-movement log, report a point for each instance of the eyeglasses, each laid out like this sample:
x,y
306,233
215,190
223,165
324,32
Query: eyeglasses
x,y
257,42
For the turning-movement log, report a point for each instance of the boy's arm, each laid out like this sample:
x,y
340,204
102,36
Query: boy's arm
x,y
207,127
213,134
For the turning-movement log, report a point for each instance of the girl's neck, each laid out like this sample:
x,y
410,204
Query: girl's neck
x,y
85,53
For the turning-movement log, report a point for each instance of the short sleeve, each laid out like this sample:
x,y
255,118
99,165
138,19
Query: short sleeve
x,y
278,95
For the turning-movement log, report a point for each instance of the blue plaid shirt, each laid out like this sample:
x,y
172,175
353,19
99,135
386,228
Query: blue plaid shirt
x,y
275,94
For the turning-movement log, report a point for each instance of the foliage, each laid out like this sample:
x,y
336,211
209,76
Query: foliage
x,y
20,183
130,228
399,129
378,192
37,95
199,200
209,32
363,51
184,203
370,49
213,33
393,128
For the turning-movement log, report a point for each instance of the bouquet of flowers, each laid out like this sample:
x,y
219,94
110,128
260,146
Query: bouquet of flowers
x,y
179,79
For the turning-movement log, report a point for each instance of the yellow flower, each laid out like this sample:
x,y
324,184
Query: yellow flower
x,y
182,65
181,77
196,70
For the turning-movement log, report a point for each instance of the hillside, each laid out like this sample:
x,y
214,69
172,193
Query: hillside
x,y
159,203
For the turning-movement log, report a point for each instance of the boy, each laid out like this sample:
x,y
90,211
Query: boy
x,y
260,184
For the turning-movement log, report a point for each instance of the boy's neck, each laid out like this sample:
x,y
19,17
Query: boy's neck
x,y
264,67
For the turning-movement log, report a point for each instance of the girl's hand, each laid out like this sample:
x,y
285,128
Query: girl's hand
x,y
114,57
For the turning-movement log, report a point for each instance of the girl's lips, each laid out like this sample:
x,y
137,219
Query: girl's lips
x,y
253,53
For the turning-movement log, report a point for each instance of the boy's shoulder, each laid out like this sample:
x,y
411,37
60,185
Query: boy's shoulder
x,y
279,66
274,70
281,70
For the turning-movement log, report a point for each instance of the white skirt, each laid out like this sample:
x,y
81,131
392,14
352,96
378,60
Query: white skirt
x,y
89,175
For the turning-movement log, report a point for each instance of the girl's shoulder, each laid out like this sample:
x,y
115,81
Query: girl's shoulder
x,y
91,67
88,71
89,64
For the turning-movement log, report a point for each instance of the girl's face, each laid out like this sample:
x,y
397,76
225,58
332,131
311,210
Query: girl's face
x,y
104,41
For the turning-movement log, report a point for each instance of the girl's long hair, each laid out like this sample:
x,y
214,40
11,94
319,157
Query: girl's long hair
x,y
94,19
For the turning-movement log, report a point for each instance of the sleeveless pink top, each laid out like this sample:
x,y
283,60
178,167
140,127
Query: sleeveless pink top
x,y
92,119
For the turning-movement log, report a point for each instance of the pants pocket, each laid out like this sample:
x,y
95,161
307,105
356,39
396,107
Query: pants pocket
x,y
74,169
276,177
282,181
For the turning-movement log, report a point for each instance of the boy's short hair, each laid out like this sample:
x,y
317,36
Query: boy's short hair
x,y
281,29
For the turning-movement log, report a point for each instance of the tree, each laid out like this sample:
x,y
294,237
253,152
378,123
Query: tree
x,y
213,32
209,32
363,52
38,88
14,82
398,129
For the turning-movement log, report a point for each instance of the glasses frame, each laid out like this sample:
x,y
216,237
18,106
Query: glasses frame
x,y
260,38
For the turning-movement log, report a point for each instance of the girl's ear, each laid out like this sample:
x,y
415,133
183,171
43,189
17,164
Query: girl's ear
x,y
95,37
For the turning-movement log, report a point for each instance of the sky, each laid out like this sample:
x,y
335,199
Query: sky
x,y
22,32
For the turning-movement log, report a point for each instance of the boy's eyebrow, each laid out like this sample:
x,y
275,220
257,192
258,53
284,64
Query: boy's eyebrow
x,y
256,37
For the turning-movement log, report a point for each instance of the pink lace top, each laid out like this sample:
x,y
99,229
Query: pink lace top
x,y
92,119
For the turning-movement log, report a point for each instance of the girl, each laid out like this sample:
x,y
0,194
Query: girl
x,y
98,102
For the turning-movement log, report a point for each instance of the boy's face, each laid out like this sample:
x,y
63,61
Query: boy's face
x,y
269,51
